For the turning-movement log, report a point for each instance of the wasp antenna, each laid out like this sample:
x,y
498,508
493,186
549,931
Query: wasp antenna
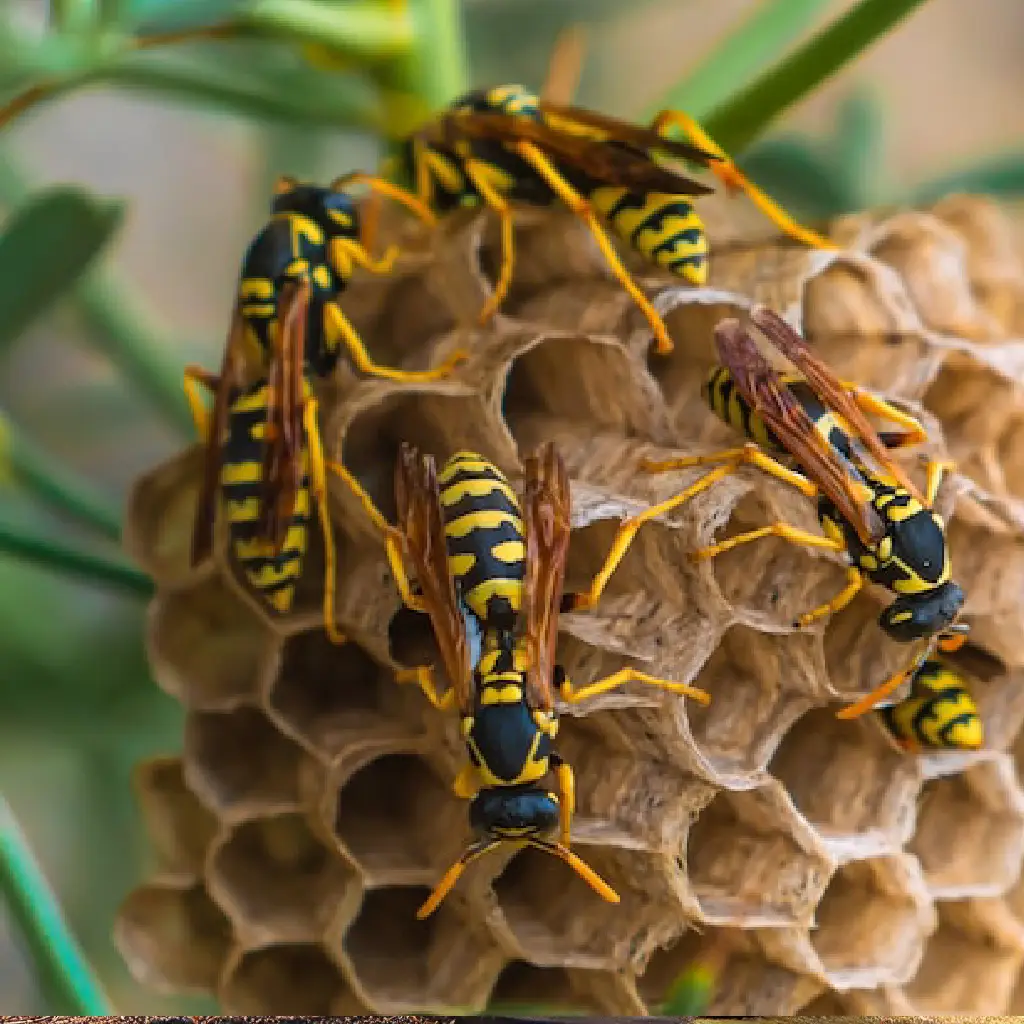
x,y
452,875
584,870
284,184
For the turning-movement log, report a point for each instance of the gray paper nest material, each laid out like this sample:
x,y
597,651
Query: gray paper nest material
x,y
311,807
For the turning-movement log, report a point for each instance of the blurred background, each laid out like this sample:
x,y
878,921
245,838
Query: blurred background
x,y
934,104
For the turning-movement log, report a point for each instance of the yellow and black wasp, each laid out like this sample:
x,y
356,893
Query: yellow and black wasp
x,y
264,454
505,145
490,573
939,713
867,506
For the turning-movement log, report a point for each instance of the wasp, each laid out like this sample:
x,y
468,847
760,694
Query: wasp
x,y
505,145
939,713
869,510
263,448
490,571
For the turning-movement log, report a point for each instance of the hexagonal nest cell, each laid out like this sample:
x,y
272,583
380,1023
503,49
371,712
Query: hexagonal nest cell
x,y
311,809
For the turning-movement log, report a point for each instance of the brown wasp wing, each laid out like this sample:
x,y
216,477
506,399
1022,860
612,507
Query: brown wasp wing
x,y
759,383
608,164
637,136
421,523
565,66
546,518
206,504
828,389
285,437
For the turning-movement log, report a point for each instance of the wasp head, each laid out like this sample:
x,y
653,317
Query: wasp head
x,y
917,616
513,812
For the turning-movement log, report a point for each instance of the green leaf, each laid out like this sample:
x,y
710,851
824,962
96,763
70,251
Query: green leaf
x,y
857,148
1000,176
45,247
690,994
797,176
739,120
745,51
63,969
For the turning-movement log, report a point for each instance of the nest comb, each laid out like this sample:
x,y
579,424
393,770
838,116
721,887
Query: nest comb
x,y
311,808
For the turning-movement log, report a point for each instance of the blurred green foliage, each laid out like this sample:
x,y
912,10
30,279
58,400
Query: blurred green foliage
x,y
77,706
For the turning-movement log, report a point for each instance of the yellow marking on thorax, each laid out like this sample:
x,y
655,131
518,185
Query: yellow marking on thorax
x,y
256,288
493,692
483,519
303,228
340,217
476,487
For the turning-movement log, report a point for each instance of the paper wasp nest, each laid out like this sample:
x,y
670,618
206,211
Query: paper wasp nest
x,y
311,808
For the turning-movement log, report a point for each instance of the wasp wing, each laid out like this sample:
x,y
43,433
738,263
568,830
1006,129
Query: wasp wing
x,y
612,129
546,518
206,504
828,389
421,523
285,440
759,383
610,165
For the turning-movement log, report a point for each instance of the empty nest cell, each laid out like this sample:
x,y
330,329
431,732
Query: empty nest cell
x,y
398,820
856,789
964,973
753,863
524,989
160,517
554,918
405,965
276,881
760,683
241,764
179,826
871,925
327,697
970,831
289,978
207,648
173,938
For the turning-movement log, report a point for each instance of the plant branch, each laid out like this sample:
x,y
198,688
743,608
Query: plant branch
x,y
64,972
48,553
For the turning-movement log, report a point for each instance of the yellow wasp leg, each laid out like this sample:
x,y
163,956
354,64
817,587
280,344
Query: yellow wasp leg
x,y
578,205
196,377
340,324
423,677
392,537
453,874
360,256
466,784
937,469
318,478
854,584
626,534
566,799
473,170
872,404
630,675
749,454
783,530
877,695
733,177
381,187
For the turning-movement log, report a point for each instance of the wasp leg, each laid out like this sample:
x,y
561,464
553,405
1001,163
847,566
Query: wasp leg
x,y
626,534
423,677
578,205
872,404
584,870
318,478
196,377
466,784
749,454
415,204
854,585
566,796
630,675
732,177
783,530
496,201
392,537
937,469
345,250
343,330
876,696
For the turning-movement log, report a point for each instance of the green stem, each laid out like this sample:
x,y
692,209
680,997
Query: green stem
x,y
34,469
51,554
362,29
746,115
437,65
64,972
